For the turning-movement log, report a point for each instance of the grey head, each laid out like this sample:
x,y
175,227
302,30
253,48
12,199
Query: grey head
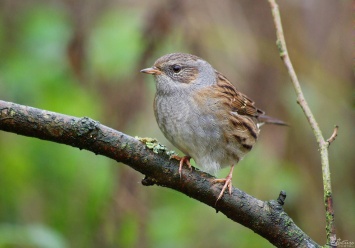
x,y
181,72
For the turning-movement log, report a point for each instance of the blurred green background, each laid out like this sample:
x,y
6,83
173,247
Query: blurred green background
x,y
82,58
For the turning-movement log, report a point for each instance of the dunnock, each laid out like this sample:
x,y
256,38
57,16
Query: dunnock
x,y
203,114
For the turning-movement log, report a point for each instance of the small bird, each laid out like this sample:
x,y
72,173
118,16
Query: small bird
x,y
201,113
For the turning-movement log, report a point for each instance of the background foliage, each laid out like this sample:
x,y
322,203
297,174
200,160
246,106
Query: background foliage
x,y
83,58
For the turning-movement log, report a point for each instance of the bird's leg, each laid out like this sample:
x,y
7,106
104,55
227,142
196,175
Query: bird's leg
x,y
185,159
227,183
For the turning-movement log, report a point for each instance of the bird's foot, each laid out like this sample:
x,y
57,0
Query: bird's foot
x,y
227,184
185,159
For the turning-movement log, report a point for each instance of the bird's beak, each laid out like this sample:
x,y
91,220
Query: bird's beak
x,y
153,70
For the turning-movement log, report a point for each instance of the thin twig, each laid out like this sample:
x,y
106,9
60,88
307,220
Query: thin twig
x,y
334,135
323,145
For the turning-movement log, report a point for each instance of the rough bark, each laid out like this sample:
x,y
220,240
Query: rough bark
x,y
266,218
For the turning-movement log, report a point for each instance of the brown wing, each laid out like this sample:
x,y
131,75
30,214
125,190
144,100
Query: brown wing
x,y
242,104
239,102
233,108
236,114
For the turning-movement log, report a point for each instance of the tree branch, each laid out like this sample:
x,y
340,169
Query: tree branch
x,y
267,218
322,144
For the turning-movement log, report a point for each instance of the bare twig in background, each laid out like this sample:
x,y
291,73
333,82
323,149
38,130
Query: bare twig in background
x,y
334,135
323,145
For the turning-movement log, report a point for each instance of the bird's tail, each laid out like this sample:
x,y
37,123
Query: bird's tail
x,y
265,119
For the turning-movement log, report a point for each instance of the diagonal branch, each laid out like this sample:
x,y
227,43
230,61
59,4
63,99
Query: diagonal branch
x,y
322,144
267,218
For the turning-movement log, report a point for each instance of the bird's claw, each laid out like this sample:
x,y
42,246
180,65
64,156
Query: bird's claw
x,y
185,159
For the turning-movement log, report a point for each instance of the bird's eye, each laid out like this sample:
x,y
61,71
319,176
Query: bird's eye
x,y
176,68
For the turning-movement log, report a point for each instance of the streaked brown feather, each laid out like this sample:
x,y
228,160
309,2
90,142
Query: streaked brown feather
x,y
236,110
232,108
239,102
242,104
